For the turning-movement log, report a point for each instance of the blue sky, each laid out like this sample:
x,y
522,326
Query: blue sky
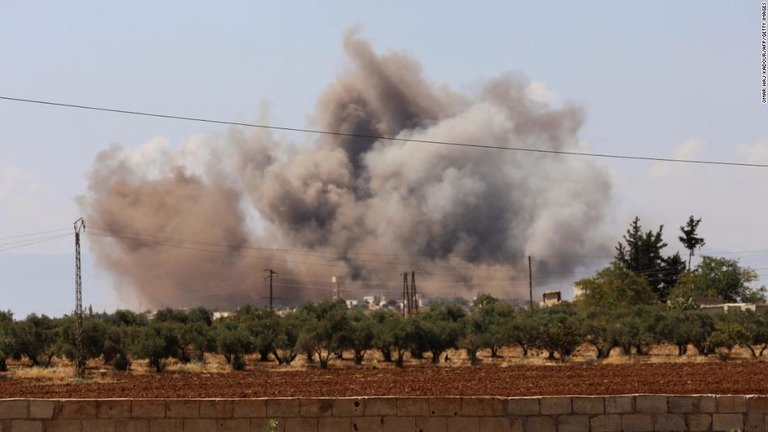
x,y
665,79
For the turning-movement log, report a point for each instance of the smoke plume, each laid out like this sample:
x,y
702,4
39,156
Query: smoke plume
x,y
199,223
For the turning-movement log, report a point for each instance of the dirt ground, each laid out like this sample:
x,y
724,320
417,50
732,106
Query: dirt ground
x,y
500,379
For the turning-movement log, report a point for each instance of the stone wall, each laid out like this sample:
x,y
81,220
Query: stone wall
x,y
385,414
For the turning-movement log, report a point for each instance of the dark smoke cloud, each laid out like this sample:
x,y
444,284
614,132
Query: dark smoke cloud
x,y
356,206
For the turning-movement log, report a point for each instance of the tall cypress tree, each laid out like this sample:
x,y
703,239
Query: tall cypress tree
x,y
689,239
641,253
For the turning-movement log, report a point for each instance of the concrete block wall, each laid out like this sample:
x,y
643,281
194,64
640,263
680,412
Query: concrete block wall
x,y
637,413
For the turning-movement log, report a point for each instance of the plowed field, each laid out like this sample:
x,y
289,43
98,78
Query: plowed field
x,y
415,380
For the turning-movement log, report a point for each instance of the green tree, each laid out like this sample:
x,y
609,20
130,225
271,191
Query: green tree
x,y
157,342
755,331
401,336
701,333
600,328
35,338
638,328
359,334
439,328
723,278
690,239
6,340
323,333
494,318
393,335
382,340
193,330
233,341
94,337
680,327
729,331
484,300
524,329
123,329
263,325
127,318
560,332
285,346
642,255
615,286
473,337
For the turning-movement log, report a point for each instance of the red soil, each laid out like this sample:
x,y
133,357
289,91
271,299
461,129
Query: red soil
x,y
415,380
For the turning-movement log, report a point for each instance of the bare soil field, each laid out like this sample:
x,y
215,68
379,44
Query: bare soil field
x,y
509,377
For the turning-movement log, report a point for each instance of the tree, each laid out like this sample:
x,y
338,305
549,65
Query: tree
x,y
642,255
689,239
524,329
473,339
615,286
6,341
123,329
193,330
680,327
560,332
723,278
494,318
728,333
157,342
95,332
401,337
323,333
285,346
754,331
265,331
484,300
35,338
638,328
600,329
439,328
359,334
233,341
382,340
393,335
263,325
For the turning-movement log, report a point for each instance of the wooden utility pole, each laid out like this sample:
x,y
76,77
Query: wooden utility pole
x,y
530,284
269,274
79,354
415,303
406,293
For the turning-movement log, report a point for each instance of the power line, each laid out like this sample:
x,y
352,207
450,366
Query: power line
x,y
378,137
331,259
28,242
35,233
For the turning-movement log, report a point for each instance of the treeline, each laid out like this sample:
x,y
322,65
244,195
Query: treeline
x,y
643,298
328,331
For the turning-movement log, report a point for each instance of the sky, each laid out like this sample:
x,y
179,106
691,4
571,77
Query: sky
x,y
656,79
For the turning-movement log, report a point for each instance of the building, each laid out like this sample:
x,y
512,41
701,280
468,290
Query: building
x,y
550,298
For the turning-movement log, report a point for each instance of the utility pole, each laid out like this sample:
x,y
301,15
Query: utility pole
x,y
410,303
79,354
269,274
405,292
530,284
337,284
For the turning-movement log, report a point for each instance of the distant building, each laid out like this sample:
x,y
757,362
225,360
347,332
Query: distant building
x,y
728,307
550,298
221,314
